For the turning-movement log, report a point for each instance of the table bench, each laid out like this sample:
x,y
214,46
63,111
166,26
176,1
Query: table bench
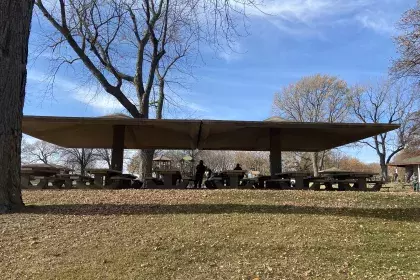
x,y
249,183
119,182
377,185
282,184
343,184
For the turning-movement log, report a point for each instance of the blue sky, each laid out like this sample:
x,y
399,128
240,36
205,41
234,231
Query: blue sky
x,y
295,38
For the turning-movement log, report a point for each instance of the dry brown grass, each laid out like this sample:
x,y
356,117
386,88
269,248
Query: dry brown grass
x,y
218,234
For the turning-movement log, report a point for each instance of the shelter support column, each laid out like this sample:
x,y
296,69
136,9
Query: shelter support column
x,y
275,151
118,147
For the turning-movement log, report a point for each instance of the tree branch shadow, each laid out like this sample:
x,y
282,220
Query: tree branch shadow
x,y
396,214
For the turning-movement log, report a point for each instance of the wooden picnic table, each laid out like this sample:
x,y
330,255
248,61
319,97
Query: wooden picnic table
x,y
344,178
102,175
123,181
234,176
43,173
170,176
298,176
67,180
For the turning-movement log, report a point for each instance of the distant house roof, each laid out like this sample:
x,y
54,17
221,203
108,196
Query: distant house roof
x,y
406,162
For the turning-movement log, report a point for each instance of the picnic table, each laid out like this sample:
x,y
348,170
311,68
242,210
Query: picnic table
x,y
170,176
102,175
43,172
123,181
234,176
299,178
67,180
344,178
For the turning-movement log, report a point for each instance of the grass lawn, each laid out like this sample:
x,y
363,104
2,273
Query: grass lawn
x,y
212,234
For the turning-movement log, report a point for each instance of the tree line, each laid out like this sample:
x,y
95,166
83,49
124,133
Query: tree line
x,y
325,98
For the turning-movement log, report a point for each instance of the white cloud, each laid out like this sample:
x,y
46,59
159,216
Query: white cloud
x,y
196,107
305,17
102,102
92,96
310,10
376,21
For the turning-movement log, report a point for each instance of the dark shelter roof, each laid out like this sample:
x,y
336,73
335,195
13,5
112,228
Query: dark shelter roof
x,y
76,132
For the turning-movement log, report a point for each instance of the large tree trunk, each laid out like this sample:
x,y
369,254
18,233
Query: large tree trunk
x,y
315,164
15,22
384,168
146,157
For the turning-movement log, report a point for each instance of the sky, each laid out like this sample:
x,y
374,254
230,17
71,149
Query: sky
x,y
290,40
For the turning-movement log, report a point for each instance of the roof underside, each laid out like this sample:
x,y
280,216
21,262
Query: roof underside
x,y
195,134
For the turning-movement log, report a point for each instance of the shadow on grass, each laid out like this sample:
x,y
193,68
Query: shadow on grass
x,y
397,214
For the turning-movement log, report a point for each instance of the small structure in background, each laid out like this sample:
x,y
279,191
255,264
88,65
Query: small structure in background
x,y
412,169
162,163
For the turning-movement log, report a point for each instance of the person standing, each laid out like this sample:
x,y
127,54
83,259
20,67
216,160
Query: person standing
x,y
240,176
396,175
415,180
199,174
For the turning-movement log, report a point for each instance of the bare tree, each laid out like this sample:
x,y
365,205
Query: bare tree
x,y
108,35
408,45
390,103
318,98
104,155
79,159
414,141
258,161
40,151
218,160
15,22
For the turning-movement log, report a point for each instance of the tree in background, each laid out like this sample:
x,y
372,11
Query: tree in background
x,y
258,161
408,46
390,103
413,144
125,44
297,161
218,160
104,155
317,98
79,159
15,22
40,151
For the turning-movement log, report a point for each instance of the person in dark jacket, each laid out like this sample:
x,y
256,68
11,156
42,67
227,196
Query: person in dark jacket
x,y
240,177
199,174
238,167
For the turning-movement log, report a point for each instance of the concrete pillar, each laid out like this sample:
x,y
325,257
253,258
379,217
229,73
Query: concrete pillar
x,y
275,151
118,147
